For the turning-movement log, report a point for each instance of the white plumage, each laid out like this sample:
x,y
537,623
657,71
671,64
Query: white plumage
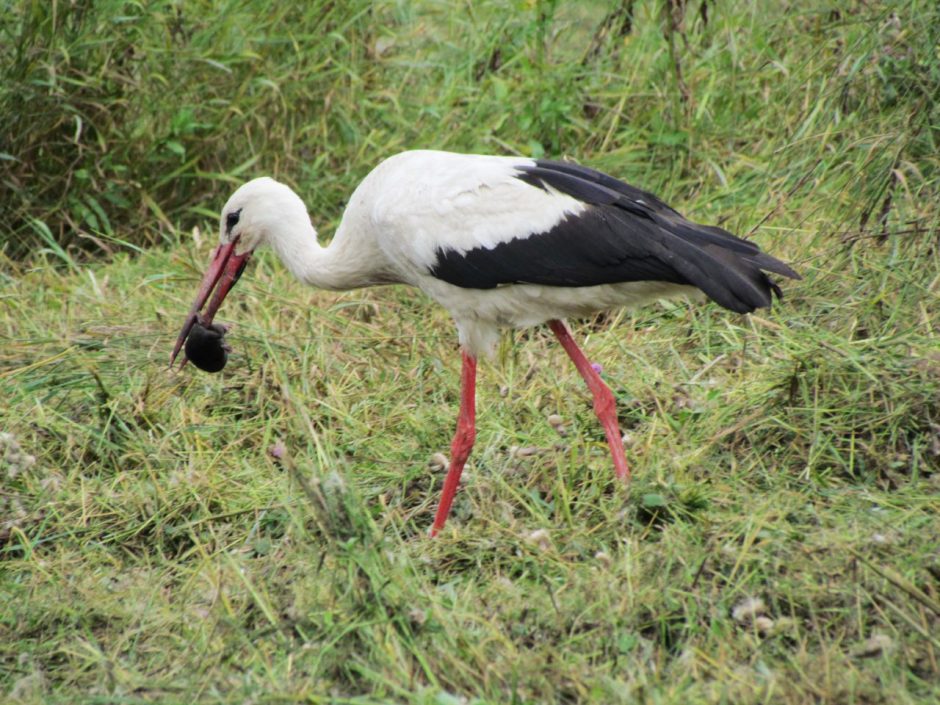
x,y
409,208
497,241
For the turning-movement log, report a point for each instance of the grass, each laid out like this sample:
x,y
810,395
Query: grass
x,y
778,542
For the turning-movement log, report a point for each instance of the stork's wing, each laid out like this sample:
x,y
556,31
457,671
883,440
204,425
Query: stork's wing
x,y
482,222
624,234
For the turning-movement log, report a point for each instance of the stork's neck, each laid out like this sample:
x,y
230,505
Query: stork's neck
x,y
339,266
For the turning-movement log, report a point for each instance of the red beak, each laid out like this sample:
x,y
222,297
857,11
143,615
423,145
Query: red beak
x,y
224,270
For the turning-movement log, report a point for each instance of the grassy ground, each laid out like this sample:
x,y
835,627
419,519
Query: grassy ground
x,y
779,542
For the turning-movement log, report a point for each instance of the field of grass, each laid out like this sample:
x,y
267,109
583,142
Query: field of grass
x,y
780,541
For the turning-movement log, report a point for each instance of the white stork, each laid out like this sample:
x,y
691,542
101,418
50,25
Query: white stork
x,y
497,241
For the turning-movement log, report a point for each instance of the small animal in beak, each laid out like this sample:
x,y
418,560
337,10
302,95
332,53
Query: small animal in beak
x,y
206,347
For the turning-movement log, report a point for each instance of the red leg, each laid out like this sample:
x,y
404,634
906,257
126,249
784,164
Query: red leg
x,y
463,440
604,404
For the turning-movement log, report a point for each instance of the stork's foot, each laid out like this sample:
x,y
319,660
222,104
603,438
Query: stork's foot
x,y
463,440
605,406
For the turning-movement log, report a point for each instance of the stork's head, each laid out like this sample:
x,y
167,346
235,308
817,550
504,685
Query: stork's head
x,y
253,215
257,211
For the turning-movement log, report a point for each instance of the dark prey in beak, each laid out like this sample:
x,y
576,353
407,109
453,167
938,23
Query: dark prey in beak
x,y
224,270
206,347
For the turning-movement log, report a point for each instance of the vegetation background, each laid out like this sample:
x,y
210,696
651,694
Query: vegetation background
x,y
779,542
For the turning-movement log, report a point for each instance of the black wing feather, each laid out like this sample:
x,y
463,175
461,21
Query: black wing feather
x,y
625,234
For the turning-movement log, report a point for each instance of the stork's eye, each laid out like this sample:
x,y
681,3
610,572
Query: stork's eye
x,y
231,220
